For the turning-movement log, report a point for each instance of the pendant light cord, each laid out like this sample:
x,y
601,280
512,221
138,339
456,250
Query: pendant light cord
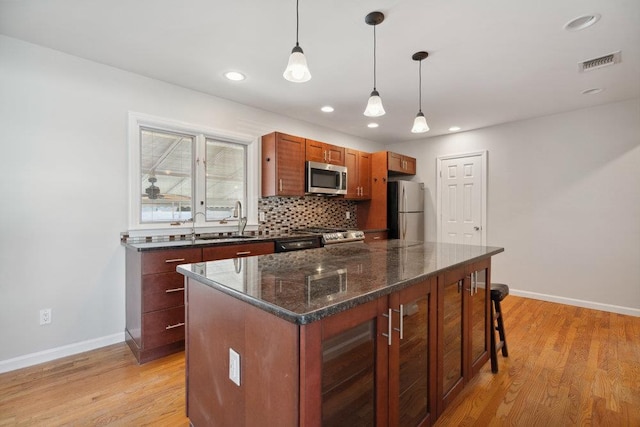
x,y
297,21
420,87
374,57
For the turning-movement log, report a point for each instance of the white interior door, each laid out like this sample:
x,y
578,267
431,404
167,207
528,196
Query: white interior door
x,y
462,199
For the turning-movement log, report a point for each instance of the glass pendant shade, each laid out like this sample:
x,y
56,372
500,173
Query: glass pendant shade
x,y
297,70
420,124
374,106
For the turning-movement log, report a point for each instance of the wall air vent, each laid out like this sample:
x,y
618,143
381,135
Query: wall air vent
x,y
603,61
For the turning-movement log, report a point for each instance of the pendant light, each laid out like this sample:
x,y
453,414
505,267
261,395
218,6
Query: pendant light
x,y
374,106
297,70
420,122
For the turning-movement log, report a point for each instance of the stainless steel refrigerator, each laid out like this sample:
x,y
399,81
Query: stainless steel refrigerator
x,y
405,210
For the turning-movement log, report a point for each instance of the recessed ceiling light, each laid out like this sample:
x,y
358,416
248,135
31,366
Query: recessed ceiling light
x,y
372,125
234,76
581,22
454,128
327,109
591,91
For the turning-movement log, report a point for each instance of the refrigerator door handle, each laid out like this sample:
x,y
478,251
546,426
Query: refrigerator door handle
x,y
404,226
403,207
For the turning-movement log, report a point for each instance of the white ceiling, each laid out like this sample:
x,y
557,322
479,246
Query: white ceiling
x,y
490,62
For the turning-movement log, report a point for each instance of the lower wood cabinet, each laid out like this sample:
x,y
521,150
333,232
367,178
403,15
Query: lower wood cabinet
x,y
155,301
464,326
213,253
372,236
155,323
375,364
397,360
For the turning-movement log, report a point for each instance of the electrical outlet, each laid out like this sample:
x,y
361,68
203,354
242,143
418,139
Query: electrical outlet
x,y
45,316
234,366
261,217
347,215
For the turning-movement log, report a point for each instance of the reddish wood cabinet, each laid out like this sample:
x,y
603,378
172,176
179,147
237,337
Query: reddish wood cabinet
x,y
155,323
358,165
155,301
401,164
365,366
316,151
282,165
372,236
464,326
373,214
213,253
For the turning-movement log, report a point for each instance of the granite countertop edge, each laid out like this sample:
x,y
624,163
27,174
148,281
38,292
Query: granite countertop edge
x,y
331,309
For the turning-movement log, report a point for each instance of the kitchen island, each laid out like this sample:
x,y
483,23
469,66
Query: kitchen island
x,y
385,333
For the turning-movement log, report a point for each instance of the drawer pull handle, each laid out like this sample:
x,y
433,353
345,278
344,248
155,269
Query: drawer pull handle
x,y
174,290
243,253
173,260
177,325
376,238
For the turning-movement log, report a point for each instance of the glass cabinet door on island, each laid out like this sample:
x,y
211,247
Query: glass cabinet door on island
x,y
412,356
377,362
464,327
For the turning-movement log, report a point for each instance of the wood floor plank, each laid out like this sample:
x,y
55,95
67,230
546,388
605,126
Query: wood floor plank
x,y
566,366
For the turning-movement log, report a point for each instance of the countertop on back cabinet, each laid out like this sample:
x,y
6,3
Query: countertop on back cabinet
x,y
201,243
299,287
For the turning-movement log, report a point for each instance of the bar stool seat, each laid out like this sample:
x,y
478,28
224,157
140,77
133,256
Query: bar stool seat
x,y
499,291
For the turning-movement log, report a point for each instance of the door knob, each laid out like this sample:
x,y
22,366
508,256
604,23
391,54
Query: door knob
x,y
476,228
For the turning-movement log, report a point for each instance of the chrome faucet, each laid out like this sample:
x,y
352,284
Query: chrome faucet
x,y
193,225
242,221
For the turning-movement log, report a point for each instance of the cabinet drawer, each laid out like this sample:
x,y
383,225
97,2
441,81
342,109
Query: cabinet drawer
x,y
376,235
236,251
167,260
163,327
162,290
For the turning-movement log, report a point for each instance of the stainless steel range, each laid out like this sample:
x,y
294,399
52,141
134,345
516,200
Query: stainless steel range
x,y
331,236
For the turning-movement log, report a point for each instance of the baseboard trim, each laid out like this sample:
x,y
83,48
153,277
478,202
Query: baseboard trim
x,y
577,302
58,352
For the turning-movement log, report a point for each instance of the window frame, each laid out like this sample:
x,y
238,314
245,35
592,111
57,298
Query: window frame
x,y
200,134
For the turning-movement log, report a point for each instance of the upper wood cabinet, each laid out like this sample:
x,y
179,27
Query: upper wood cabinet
x,y
282,165
358,165
322,152
400,164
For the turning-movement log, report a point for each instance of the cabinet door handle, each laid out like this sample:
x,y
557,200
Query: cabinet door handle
x,y
243,253
280,184
177,325
389,326
173,260
174,290
329,155
475,274
401,313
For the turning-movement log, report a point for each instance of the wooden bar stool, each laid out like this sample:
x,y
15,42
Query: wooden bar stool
x,y
499,291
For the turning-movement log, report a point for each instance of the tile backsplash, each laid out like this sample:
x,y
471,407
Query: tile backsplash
x,y
283,214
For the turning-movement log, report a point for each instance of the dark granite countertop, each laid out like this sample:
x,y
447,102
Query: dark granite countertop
x,y
305,286
186,242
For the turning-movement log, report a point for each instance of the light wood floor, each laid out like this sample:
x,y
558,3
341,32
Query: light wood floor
x,y
567,366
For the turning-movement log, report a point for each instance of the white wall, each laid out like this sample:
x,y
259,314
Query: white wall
x,y
63,130
563,200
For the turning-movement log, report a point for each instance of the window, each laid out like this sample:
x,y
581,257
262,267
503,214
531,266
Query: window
x,y
179,172
166,162
225,178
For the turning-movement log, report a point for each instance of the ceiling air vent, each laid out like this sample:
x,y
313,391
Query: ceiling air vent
x,y
603,61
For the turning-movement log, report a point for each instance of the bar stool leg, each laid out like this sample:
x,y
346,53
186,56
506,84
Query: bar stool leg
x,y
494,355
503,340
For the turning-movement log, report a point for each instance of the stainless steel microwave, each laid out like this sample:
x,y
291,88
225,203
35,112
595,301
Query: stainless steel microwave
x,y
323,178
